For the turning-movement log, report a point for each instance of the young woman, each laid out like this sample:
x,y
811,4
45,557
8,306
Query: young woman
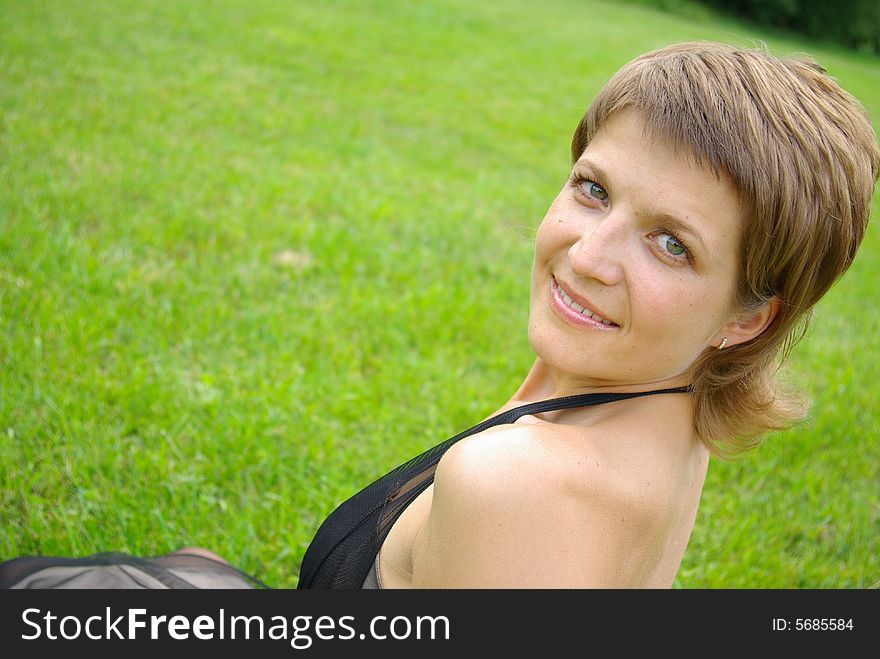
x,y
716,194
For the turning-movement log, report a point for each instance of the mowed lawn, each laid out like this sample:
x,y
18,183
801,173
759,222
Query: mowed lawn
x,y
253,254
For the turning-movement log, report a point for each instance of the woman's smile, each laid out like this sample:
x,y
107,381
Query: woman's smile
x,y
574,313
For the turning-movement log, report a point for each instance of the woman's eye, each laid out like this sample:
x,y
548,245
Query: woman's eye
x,y
671,244
594,190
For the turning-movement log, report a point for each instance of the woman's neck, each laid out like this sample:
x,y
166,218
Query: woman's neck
x,y
543,382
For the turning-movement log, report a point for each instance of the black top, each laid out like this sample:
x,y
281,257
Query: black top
x,y
346,544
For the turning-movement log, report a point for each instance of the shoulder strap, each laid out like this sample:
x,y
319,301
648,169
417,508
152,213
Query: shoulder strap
x,y
578,400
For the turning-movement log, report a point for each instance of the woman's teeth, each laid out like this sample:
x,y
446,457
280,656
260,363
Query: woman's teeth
x,y
581,310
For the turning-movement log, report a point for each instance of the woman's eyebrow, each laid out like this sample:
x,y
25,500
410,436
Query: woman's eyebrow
x,y
585,164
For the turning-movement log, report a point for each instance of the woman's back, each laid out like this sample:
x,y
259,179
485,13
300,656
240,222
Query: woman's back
x,y
601,496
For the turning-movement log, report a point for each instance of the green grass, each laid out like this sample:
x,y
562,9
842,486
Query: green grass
x,y
240,249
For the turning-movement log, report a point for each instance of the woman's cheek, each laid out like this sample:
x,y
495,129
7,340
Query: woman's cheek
x,y
669,306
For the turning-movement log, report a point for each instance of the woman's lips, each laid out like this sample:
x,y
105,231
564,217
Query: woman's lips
x,y
577,318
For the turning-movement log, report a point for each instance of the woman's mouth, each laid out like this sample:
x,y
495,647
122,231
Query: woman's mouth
x,y
575,313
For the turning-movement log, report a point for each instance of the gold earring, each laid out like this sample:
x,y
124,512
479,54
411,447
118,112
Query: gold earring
x,y
723,343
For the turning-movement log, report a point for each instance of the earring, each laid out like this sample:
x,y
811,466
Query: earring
x,y
723,343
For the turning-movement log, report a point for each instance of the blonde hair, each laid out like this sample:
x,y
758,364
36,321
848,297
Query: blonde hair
x,y
803,157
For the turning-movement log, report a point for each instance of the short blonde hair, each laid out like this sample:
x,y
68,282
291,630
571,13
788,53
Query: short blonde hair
x,y
803,157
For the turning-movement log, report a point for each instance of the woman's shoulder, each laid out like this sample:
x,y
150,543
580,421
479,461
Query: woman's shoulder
x,y
631,442
509,503
633,467
499,458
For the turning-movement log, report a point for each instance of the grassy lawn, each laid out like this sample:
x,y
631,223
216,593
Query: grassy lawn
x,y
245,253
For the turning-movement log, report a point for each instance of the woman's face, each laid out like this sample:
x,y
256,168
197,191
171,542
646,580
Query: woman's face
x,y
648,242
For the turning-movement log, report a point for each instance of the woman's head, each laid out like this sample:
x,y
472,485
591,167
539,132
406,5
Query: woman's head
x,y
645,243
802,158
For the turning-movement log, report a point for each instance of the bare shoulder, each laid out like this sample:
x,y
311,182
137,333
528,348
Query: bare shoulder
x,y
537,506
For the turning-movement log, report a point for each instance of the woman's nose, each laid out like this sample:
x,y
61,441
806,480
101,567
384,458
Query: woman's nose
x,y
599,252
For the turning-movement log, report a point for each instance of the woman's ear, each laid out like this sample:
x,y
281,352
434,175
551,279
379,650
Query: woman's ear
x,y
746,326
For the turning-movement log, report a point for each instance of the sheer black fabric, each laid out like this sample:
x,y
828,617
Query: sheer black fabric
x,y
346,544
118,571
